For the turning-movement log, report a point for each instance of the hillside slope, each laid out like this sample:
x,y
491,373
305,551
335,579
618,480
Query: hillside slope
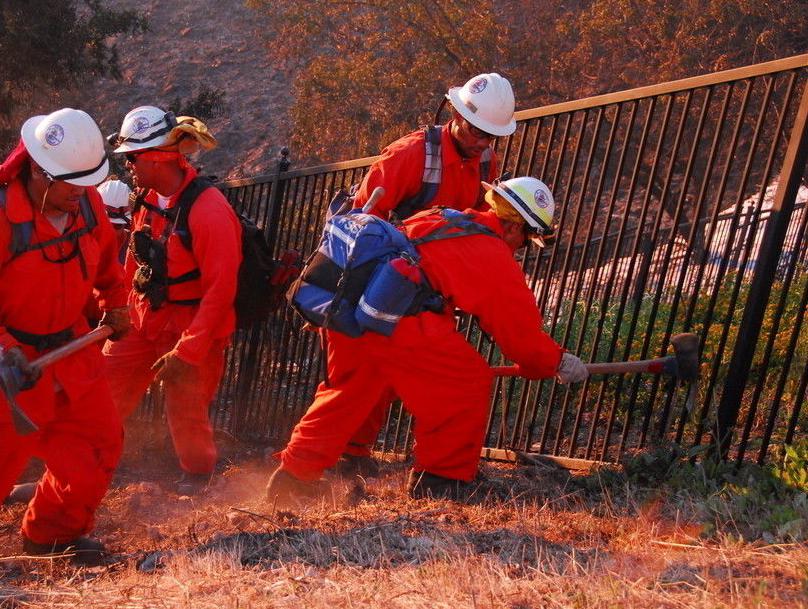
x,y
191,43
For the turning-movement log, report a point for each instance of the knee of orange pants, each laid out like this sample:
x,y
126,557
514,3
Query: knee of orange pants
x,y
128,369
336,413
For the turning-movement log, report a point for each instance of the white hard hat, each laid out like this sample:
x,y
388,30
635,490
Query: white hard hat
x,y
486,101
531,199
67,145
116,196
145,127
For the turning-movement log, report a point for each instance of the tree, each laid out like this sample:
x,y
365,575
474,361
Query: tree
x,y
368,71
47,46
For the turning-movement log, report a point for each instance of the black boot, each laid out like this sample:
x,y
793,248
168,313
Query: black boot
x,y
21,493
423,485
84,551
283,487
364,466
193,484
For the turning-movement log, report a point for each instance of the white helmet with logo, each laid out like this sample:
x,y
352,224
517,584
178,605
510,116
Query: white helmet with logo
x,y
68,146
144,127
531,199
116,198
486,101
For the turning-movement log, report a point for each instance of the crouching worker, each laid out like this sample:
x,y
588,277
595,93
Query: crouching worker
x,y
183,262
56,245
441,379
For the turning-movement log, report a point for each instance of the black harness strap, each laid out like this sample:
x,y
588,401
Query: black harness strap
x,y
42,342
22,234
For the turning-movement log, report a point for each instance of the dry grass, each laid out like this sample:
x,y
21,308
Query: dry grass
x,y
536,540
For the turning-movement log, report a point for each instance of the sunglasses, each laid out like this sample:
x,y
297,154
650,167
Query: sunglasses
x,y
478,133
131,156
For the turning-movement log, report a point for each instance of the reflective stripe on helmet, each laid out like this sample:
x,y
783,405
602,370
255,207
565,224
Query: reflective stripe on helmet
x,y
517,201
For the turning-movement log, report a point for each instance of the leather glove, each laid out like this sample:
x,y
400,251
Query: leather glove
x,y
117,319
15,358
171,369
571,369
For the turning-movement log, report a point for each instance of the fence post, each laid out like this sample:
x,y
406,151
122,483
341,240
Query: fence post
x,y
277,199
770,249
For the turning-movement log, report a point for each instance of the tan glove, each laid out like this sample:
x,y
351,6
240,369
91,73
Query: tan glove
x,y
117,319
171,369
571,369
15,358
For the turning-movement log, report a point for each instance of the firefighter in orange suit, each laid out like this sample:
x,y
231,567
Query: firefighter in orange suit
x,y
56,245
441,379
417,174
183,293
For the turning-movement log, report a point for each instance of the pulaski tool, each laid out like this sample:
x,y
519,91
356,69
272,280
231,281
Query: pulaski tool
x,y
11,380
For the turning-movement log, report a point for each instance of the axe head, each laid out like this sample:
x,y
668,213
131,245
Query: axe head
x,y
10,381
686,352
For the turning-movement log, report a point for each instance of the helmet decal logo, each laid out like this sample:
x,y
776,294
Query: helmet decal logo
x,y
478,86
54,134
541,199
141,124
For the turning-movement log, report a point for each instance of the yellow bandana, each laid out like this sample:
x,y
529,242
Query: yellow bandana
x,y
502,208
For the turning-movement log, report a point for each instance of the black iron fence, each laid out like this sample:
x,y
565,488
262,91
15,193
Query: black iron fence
x,y
680,207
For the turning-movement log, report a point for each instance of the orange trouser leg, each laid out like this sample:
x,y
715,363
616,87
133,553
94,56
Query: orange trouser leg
x,y
15,451
367,435
80,448
128,362
446,385
187,406
339,408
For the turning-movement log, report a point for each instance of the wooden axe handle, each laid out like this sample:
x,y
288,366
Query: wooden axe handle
x,y
654,366
377,194
100,333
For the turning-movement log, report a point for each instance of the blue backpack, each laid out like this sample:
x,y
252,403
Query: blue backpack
x,y
365,275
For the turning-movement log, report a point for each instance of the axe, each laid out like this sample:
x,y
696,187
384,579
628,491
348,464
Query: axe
x,y
683,364
11,380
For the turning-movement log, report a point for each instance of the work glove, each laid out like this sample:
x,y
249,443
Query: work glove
x,y
15,358
171,369
117,319
571,369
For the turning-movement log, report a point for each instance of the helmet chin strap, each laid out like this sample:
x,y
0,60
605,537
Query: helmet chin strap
x,y
47,188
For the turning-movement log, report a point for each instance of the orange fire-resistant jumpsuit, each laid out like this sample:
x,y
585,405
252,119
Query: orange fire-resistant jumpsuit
x,y
400,171
80,434
439,376
197,333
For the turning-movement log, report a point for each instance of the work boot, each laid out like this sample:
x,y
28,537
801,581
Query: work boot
x,y
283,487
21,493
423,485
193,484
84,551
364,466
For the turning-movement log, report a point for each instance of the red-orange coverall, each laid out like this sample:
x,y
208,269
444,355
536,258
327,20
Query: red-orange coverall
x,y
441,379
197,334
80,434
400,170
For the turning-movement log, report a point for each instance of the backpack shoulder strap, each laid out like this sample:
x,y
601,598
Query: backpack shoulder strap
x,y
22,232
431,176
90,221
183,208
485,163
457,224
